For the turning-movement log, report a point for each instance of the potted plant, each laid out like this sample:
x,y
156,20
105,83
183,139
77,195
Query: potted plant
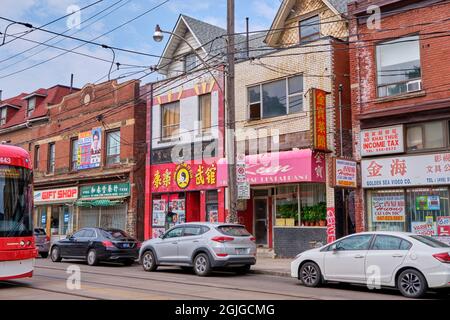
x,y
306,215
322,214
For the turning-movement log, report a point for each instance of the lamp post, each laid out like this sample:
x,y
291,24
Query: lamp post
x,y
6,29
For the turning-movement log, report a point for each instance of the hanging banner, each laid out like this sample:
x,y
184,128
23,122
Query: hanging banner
x,y
318,105
388,208
89,149
345,173
331,225
385,140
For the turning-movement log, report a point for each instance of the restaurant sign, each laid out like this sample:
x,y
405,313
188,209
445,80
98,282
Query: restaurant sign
x,y
110,190
431,169
345,173
319,119
386,140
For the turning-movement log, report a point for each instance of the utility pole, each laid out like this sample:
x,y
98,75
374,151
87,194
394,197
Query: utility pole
x,y
231,121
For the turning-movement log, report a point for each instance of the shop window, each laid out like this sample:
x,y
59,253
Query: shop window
x,y
275,98
3,115
428,135
309,29
51,158
398,66
113,147
73,154
386,210
205,113
170,122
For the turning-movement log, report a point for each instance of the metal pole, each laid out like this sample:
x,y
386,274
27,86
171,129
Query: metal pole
x,y
344,209
230,135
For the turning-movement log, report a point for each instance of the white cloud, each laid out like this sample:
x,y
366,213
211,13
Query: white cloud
x,y
264,10
15,9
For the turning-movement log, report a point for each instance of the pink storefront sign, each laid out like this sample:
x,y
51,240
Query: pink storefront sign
x,y
280,167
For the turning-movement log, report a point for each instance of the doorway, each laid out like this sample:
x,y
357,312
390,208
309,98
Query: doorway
x,y
261,214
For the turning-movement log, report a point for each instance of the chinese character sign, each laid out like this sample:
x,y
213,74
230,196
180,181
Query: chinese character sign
x,y
388,208
319,115
431,169
345,173
385,140
89,149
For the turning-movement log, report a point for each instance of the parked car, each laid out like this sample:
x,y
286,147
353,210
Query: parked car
x,y
409,262
42,242
95,245
201,246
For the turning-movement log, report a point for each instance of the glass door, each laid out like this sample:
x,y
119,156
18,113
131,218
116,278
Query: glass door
x,y
261,220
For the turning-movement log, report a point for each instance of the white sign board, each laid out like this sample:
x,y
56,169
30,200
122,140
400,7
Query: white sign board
x,y
431,169
243,190
385,140
345,173
388,208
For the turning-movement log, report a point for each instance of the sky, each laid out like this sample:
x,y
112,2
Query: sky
x,y
27,71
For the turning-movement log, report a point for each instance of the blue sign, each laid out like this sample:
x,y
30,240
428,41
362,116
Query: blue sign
x,y
66,217
44,219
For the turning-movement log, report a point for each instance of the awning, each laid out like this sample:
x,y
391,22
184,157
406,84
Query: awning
x,y
98,203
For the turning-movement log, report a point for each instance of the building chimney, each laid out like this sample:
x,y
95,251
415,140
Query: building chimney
x,y
71,83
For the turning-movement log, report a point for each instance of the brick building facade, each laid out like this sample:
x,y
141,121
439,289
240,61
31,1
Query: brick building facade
x,y
401,112
87,149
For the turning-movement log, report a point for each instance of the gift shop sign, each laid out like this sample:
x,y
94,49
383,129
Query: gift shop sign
x,y
388,208
406,171
386,140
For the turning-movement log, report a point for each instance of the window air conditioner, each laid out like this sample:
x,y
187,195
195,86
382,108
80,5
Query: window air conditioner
x,y
413,86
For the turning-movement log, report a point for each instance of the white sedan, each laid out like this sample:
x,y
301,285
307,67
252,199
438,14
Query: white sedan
x,y
412,263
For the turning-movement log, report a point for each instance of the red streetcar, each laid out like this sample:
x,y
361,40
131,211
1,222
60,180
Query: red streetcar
x,y
17,248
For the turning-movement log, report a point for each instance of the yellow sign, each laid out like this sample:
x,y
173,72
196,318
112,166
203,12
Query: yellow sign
x,y
183,176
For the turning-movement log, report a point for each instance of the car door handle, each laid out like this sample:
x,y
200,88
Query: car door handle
x,y
196,241
359,256
397,255
175,242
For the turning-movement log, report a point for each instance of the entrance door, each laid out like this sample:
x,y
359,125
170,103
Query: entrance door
x,y
261,221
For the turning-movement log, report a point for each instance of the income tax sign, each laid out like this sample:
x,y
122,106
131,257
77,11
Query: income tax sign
x,y
385,140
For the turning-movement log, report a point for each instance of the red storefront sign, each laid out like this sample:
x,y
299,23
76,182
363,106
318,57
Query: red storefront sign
x,y
56,195
280,167
384,140
172,177
319,107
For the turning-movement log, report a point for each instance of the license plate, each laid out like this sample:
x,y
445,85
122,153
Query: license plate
x,y
242,251
126,245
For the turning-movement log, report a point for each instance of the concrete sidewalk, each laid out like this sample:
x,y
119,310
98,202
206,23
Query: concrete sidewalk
x,y
271,266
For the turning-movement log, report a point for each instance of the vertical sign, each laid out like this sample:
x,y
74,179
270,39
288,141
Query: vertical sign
x,y
331,225
319,119
89,149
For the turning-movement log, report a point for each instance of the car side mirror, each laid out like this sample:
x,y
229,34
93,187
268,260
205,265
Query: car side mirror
x,y
161,236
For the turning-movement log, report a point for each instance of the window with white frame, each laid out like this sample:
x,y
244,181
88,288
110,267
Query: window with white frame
x,y
113,147
3,116
31,105
275,98
398,66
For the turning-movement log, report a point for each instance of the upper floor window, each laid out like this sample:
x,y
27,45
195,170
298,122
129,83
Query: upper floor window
x,y
170,120
398,66
36,156
113,147
276,98
3,116
51,158
205,113
309,29
190,62
73,154
31,105
428,135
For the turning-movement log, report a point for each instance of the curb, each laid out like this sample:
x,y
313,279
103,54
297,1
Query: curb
x,y
286,274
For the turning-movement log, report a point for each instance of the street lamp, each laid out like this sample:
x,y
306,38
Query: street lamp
x,y
6,29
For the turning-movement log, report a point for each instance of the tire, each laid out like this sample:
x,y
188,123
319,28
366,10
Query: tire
x,y
148,261
412,284
202,266
92,258
128,262
56,254
44,255
310,275
243,270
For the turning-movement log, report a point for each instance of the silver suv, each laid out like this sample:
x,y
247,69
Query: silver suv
x,y
202,246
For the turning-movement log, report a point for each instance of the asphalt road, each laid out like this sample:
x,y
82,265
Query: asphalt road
x,y
109,281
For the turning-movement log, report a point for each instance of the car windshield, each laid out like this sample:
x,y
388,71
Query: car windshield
x,y
115,234
429,241
235,231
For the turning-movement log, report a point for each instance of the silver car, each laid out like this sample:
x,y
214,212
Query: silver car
x,y
42,241
201,246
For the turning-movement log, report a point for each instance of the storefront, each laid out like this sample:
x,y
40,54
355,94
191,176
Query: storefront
x,y
54,210
287,209
408,193
183,193
103,205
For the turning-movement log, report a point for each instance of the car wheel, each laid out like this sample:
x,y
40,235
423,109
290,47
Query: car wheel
x,y
44,255
310,274
92,258
412,284
149,262
128,262
243,270
56,254
202,266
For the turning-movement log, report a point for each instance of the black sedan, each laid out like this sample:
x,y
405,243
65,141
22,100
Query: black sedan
x,y
95,245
